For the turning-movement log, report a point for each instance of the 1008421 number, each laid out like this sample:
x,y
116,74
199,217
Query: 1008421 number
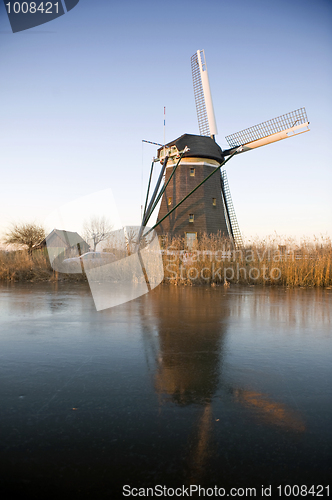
x,y
32,7
303,491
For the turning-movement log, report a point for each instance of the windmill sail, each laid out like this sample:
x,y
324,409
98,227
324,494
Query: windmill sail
x,y
203,99
230,216
282,127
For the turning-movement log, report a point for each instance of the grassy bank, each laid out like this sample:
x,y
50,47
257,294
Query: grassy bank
x,y
212,260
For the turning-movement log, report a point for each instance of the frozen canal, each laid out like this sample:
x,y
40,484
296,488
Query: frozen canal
x,y
182,386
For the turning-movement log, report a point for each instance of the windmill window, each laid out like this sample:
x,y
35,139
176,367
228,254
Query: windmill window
x,y
169,201
191,217
190,239
214,202
192,172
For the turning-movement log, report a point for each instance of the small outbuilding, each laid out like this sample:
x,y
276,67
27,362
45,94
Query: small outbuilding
x,y
64,243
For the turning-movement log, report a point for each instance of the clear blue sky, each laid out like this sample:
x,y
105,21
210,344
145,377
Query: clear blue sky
x,y
80,93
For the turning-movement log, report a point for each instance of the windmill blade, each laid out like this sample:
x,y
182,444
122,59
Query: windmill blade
x,y
282,127
203,99
230,216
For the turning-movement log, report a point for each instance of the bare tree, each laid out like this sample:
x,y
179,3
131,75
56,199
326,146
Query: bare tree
x,y
25,235
96,230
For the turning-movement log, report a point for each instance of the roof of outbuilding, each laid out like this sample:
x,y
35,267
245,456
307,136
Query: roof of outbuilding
x,y
69,238
200,147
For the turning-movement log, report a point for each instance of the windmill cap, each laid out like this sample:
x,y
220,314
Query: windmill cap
x,y
200,146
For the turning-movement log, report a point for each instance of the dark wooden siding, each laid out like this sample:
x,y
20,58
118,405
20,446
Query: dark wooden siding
x,y
208,218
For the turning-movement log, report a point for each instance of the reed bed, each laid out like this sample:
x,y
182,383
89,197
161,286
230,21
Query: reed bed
x,y
212,260
272,261
21,266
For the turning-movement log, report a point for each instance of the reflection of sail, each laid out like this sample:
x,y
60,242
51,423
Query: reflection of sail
x,y
269,411
202,448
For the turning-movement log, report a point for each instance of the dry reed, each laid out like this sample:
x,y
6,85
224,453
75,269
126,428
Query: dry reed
x,y
212,260
21,266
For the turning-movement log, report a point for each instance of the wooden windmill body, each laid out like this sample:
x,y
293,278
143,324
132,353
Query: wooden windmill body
x,y
203,211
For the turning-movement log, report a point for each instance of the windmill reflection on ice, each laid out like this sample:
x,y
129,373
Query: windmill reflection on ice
x,y
188,351
195,195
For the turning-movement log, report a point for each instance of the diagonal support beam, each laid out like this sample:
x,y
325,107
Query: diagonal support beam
x,y
147,193
163,189
147,211
153,197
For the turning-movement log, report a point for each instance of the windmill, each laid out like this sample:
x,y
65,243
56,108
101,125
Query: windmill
x,y
195,195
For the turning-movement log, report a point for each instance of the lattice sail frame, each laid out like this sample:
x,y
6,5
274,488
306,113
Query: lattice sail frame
x,y
203,99
203,123
271,131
